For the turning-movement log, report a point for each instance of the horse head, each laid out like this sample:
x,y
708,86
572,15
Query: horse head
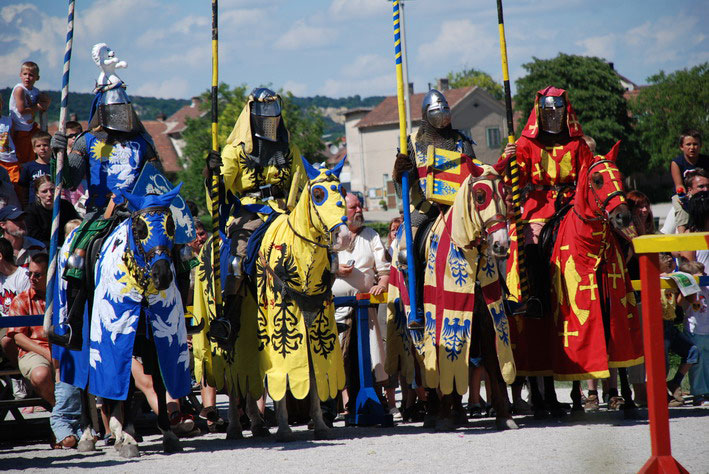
x,y
601,195
486,206
325,199
151,237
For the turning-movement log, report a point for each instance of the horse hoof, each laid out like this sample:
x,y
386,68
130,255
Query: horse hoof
x,y
429,421
631,414
285,436
129,451
557,412
234,435
323,434
260,431
506,424
170,443
541,414
577,413
86,446
445,424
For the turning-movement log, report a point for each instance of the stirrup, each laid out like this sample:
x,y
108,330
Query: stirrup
x,y
220,331
67,340
531,308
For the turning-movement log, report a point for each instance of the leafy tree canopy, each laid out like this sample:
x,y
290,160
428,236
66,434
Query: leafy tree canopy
x,y
474,77
671,104
596,94
305,127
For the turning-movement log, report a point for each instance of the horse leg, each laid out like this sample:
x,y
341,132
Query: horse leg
x,y
498,389
577,406
284,433
321,430
258,424
629,407
556,409
540,411
170,443
87,443
433,403
444,421
234,429
126,444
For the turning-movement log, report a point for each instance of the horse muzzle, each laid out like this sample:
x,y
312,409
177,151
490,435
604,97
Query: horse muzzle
x,y
622,221
341,238
499,242
161,274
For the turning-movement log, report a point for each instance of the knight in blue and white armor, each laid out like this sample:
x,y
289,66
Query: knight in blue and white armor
x,y
109,157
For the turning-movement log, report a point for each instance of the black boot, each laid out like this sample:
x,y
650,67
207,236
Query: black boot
x,y
72,329
224,330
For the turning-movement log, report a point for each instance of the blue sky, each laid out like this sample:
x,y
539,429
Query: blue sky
x,y
341,47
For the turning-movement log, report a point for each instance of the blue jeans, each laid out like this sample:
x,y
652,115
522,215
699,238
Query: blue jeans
x,y
66,414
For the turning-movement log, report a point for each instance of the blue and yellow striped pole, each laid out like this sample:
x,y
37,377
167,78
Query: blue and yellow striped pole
x,y
214,190
414,319
54,239
516,229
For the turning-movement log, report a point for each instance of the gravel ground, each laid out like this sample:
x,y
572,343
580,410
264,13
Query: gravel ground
x,y
602,442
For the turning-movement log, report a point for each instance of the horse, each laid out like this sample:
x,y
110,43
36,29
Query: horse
x,y
136,309
459,255
297,334
592,300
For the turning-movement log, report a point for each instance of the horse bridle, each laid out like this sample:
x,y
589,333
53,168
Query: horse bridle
x,y
314,208
496,222
601,213
158,249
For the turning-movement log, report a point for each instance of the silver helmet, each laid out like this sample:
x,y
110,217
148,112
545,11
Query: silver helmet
x,y
435,109
115,111
265,113
552,113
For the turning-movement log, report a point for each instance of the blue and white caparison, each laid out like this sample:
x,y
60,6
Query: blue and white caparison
x,y
135,276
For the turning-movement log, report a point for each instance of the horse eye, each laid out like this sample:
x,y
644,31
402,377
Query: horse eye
x,y
170,227
480,197
597,179
140,227
318,195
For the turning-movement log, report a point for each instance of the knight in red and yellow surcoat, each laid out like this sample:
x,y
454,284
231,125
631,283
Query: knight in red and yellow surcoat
x,y
549,154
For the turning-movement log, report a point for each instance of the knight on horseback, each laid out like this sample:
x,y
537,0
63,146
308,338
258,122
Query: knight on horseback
x,y
109,156
260,166
550,153
435,131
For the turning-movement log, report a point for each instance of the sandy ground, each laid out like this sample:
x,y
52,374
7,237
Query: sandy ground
x,y
602,442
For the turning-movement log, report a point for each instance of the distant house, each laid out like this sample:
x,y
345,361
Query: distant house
x,y
176,123
372,137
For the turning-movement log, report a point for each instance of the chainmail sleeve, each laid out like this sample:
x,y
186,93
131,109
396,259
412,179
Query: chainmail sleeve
x,y
468,146
74,169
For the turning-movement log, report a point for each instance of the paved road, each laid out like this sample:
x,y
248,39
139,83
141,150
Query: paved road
x,y
603,442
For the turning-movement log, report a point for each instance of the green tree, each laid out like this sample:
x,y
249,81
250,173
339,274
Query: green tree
x,y
671,104
596,94
474,77
305,127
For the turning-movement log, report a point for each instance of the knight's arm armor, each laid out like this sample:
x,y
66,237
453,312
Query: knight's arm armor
x,y
76,166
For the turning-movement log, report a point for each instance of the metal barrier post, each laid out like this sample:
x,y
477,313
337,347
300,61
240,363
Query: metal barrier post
x,y
647,247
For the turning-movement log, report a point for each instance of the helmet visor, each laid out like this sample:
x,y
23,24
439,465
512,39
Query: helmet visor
x,y
267,108
552,114
439,117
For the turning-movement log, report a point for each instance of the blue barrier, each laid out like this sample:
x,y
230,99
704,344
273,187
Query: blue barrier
x,y
368,409
21,321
